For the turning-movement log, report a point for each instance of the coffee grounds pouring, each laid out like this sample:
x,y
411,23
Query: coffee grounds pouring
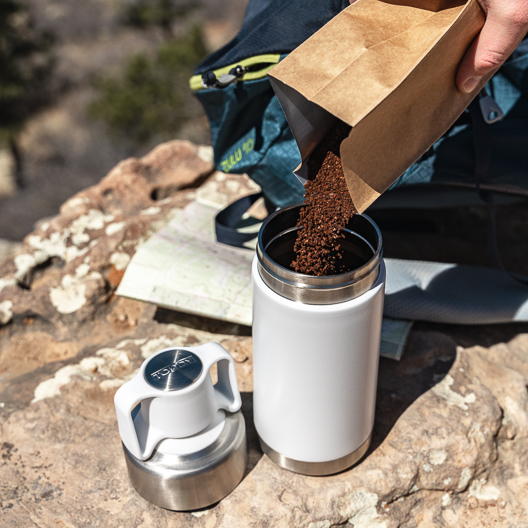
x,y
327,209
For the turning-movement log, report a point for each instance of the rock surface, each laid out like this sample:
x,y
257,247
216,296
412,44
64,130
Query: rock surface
x,y
7,248
450,443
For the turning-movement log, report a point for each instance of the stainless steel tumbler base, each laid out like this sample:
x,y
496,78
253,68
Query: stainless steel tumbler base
x,y
316,469
190,482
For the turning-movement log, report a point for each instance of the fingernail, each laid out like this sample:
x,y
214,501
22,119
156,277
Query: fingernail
x,y
471,84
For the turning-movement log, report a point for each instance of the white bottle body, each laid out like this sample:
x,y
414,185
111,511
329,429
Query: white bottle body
x,y
315,371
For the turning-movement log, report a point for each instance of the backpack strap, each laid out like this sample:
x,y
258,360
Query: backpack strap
x,y
228,219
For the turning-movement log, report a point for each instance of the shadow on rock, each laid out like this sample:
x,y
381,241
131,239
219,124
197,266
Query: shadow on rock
x,y
197,322
427,359
254,452
428,356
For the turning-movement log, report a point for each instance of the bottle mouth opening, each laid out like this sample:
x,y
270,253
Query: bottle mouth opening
x,y
355,251
361,249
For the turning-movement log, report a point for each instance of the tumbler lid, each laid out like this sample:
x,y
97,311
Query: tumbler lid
x,y
184,438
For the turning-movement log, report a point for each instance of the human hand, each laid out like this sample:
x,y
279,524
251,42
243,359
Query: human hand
x,y
506,25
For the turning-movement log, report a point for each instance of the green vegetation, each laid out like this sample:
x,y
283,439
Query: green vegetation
x,y
25,66
150,100
163,14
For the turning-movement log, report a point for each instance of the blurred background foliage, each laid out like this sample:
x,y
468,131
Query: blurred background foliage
x,y
163,14
26,63
150,99
87,83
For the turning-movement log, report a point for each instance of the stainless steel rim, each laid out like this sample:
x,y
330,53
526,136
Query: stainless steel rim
x,y
191,482
316,469
317,290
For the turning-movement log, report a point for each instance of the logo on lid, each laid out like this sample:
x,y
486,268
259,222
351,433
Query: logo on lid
x,y
178,364
173,369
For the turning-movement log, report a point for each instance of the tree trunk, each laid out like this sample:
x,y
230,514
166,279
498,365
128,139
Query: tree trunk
x,y
17,156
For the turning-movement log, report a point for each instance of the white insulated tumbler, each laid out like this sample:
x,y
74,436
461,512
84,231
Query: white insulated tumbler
x,y
315,348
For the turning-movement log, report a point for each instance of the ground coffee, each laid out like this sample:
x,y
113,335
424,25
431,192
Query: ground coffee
x,y
327,209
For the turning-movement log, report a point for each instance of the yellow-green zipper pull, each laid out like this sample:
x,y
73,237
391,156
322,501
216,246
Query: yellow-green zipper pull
x,y
248,69
209,79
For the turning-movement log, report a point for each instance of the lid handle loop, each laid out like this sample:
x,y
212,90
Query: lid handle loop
x,y
173,412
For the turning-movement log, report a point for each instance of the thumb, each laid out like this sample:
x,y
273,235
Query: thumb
x,y
498,38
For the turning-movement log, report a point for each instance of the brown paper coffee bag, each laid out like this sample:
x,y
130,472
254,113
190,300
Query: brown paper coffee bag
x,y
387,68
